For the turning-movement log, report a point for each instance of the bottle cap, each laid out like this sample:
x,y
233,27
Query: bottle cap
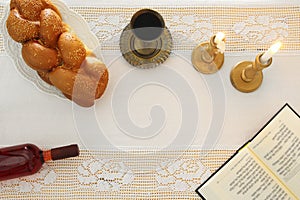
x,y
65,152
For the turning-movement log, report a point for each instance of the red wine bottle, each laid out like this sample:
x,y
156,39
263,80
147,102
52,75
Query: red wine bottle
x,y
27,159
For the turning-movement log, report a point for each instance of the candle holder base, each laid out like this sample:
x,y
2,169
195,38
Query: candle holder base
x,y
150,59
238,82
206,67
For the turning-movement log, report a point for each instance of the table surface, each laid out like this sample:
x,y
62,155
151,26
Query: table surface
x,y
28,114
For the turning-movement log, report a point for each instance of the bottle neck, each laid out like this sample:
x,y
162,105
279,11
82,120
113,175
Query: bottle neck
x,y
47,155
59,153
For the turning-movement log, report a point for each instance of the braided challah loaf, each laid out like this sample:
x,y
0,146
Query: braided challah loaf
x,y
59,56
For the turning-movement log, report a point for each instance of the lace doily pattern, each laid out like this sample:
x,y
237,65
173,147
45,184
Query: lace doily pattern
x,y
247,29
111,175
181,175
260,29
33,184
104,175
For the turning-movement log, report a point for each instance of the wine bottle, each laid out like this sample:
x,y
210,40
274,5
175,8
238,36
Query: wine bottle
x,y
27,159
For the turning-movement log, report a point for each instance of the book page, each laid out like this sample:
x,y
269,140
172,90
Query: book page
x,y
244,178
278,147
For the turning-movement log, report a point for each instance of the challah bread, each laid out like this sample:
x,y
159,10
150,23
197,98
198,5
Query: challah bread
x,y
78,86
21,29
39,57
93,67
28,9
60,58
97,71
72,50
45,77
50,28
31,9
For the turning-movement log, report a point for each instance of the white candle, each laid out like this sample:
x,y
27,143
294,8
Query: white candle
x,y
219,41
271,51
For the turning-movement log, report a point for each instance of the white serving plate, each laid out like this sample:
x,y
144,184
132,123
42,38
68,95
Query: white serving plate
x,y
77,24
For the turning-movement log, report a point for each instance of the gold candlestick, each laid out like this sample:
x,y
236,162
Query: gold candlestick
x,y
146,42
207,57
247,76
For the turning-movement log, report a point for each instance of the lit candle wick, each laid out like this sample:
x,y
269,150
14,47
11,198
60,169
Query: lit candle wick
x,y
219,41
270,52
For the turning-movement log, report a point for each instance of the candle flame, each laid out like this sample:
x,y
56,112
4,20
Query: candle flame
x,y
275,47
220,36
220,43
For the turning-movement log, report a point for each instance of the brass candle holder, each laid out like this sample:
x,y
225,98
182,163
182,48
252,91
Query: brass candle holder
x,y
146,42
247,76
207,57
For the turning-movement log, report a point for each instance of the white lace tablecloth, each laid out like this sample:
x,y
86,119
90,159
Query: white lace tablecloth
x,y
28,114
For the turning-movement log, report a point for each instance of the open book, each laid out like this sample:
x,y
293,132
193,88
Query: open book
x,y
265,168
